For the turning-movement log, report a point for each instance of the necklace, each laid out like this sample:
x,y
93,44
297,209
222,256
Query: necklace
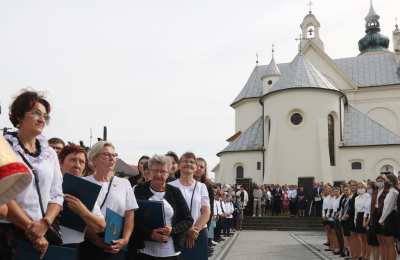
x,y
37,144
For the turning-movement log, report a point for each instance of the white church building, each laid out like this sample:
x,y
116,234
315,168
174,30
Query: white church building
x,y
318,117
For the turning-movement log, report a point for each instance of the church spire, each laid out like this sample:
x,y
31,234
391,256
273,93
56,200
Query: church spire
x,y
373,40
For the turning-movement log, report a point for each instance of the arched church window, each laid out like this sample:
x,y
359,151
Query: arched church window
x,y
386,169
239,172
331,139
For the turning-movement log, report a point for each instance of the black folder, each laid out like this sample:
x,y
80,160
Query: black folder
x,y
84,190
150,214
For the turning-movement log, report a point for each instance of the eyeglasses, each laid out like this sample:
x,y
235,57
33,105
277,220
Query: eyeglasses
x,y
38,114
110,155
189,161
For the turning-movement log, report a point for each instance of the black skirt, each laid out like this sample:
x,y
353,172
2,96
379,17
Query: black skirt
x,y
348,227
359,224
390,225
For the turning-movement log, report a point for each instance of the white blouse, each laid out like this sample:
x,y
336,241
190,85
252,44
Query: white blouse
x,y
217,208
362,204
327,205
121,197
200,197
155,248
389,204
50,178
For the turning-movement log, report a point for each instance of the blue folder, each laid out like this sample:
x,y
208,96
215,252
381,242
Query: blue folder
x,y
114,226
150,214
84,190
25,251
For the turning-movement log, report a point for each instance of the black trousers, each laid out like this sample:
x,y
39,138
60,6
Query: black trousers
x,y
149,257
218,228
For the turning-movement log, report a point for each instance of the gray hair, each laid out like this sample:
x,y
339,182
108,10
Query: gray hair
x,y
158,159
96,149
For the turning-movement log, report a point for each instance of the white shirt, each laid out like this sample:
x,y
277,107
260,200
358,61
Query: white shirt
x,y
121,197
50,179
292,194
389,204
71,236
217,208
200,197
228,208
246,197
159,249
327,206
362,204
336,203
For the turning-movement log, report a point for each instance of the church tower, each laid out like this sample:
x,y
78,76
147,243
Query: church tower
x,y
271,75
396,43
310,31
373,40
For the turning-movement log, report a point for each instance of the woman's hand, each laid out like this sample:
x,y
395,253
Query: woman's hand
x,y
159,235
167,230
116,246
191,236
37,229
3,211
41,244
76,205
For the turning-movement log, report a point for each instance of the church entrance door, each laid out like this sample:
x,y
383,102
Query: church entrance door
x,y
308,184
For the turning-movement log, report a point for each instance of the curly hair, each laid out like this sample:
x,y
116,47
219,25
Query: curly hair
x,y
23,103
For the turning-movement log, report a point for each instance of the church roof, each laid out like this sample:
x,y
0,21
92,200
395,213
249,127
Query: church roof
x,y
375,69
378,69
272,69
302,74
250,140
361,130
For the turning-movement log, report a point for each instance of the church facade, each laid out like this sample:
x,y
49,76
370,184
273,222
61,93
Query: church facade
x,y
318,117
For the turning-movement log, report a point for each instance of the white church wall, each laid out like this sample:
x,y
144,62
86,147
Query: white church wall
x,y
380,103
248,160
326,69
372,158
246,113
302,150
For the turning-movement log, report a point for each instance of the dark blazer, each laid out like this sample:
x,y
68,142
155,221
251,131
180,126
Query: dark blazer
x,y
182,220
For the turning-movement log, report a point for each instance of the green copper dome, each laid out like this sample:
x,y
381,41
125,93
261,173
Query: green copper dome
x,y
373,40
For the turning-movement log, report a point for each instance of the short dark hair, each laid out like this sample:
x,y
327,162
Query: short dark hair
x,y
56,140
143,157
173,155
188,155
71,148
23,103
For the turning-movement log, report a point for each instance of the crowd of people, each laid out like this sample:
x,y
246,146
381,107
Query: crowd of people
x,y
30,222
361,220
285,200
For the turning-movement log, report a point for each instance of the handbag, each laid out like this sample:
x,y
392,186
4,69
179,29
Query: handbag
x,y
53,234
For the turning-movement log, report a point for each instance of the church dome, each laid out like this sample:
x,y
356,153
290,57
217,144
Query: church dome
x,y
373,40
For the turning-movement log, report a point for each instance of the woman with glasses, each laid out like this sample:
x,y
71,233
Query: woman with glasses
x,y
116,194
73,160
198,202
29,113
165,242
